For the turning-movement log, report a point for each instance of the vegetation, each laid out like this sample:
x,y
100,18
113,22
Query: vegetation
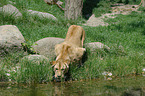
x,y
125,36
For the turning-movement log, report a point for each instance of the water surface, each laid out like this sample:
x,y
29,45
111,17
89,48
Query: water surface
x,y
129,86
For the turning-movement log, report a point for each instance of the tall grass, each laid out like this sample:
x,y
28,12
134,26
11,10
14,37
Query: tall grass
x,y
125,36
34,72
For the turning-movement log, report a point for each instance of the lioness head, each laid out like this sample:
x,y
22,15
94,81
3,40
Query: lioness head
x,y
60,68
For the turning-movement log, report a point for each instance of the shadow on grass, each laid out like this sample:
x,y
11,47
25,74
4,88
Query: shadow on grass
x,y
139,24
135,25
88,7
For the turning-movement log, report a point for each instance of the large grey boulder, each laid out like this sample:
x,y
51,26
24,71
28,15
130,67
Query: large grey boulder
x,y
46,46
10,38
42,14
11,10
93,46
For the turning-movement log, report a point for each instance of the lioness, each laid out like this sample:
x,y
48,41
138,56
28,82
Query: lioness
x,y
68,51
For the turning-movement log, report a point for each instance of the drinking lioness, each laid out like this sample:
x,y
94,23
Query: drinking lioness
x,y
68,51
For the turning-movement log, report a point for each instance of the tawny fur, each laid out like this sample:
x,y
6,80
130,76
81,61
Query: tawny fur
x,y
69,50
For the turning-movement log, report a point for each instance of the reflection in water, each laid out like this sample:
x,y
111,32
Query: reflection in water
x,y
134,92
66,89
134,86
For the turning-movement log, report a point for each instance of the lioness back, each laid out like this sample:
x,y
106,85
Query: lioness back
x,y
75,35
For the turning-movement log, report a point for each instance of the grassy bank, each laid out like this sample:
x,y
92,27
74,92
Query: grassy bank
x,y
125,35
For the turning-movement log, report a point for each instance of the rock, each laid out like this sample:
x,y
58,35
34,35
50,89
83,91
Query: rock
x,y
50,1
96,45
46,46
10,38
12,2
42,14
53,2
11,10
36,59
59,2
93,21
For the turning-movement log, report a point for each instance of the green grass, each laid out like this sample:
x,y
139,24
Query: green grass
x,y
33,72
125,35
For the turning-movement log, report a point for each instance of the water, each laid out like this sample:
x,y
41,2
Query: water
x,y
130,86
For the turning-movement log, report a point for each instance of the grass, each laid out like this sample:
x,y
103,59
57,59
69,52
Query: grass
x,y
125,35
34,72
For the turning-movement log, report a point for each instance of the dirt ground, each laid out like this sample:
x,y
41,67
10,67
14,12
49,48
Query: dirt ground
x,y
117,9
